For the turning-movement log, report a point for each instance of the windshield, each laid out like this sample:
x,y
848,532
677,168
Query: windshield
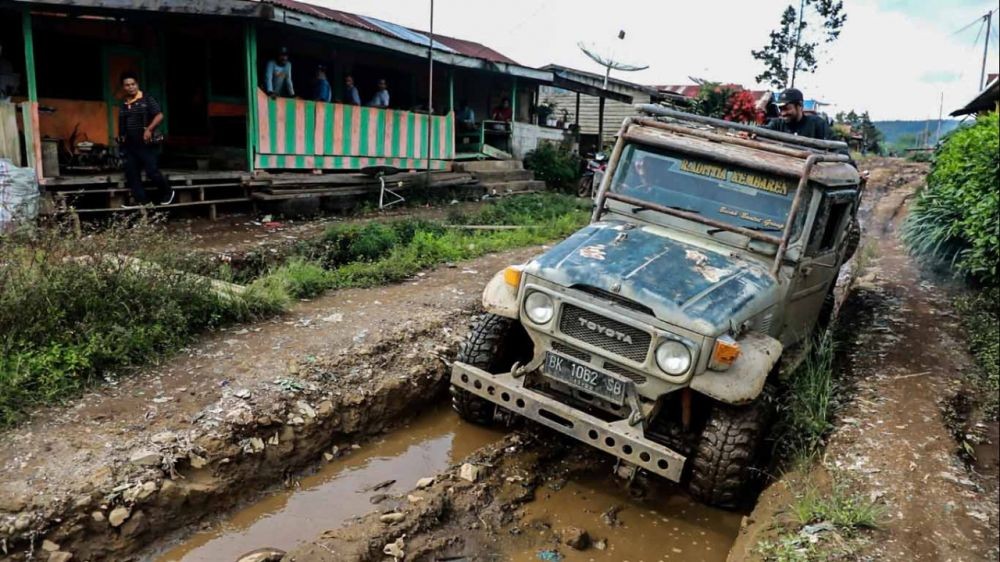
x,y
736,196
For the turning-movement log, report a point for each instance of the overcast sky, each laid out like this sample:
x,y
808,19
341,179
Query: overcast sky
x,y
894,57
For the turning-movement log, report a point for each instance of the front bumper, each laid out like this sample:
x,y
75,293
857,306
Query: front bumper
x,y
617,438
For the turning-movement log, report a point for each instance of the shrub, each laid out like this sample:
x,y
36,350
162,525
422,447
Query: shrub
x,y
73,311
955,219
555,166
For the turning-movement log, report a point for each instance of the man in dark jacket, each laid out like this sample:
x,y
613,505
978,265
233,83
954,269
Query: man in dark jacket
x,y
794,120
138,118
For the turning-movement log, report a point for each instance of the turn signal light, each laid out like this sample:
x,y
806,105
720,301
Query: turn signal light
x,y
725,353
512,276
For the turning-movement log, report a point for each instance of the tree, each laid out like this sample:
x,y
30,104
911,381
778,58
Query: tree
x,y
793,46
742,108
870,135
712,99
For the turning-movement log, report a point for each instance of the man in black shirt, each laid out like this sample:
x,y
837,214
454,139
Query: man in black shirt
x,y
138,118
795,121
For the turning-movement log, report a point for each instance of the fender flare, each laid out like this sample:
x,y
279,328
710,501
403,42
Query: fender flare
x,y
500,298
744,381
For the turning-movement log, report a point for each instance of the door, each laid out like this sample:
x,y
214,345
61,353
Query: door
x,y
817,271
117,61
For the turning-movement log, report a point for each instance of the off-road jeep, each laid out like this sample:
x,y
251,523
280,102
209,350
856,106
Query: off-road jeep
x,y
652,333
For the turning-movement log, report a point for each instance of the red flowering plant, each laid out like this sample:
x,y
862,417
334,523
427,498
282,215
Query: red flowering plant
x,y
742,108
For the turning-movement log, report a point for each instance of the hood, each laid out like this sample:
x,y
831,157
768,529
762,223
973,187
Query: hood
x,y
683,284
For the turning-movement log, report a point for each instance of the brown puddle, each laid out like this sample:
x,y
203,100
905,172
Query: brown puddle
x,y
325,500
664,525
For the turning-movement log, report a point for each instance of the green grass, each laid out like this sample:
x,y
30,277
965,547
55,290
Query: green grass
x,y
826,526
71,314
866,256
807,407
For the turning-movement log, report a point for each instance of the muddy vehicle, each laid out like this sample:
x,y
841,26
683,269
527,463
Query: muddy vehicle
x,y
657,332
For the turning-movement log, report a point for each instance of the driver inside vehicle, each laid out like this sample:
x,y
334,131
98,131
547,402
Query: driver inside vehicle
x,y
639,182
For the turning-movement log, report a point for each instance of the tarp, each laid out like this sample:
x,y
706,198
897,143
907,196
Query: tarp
x,y
18,194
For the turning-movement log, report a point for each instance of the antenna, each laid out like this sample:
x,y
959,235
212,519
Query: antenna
x,y
988,19
607,61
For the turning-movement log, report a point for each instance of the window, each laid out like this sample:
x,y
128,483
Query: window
x,y
830,220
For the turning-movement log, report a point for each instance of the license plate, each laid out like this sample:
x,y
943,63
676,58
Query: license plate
x,y
585,378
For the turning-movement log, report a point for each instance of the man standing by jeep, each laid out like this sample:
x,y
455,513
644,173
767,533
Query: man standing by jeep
x,y
794,120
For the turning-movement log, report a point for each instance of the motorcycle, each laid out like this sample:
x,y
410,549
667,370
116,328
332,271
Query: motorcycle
x,y
593,173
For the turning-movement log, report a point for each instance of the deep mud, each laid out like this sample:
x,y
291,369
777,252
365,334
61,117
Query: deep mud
x,y
904,360
231,416
343,488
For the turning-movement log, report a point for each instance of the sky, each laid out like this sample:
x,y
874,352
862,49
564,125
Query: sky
x,y
894,58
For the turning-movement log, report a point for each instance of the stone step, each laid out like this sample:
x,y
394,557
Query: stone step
x,y
496,176
515,186
487,165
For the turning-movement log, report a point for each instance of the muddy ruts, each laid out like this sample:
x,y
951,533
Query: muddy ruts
x,y
362,391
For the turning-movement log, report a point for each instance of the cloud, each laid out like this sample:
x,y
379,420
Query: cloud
x,y
882,62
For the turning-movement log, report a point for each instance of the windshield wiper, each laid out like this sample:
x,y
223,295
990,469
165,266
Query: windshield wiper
x,y
636,209
764,228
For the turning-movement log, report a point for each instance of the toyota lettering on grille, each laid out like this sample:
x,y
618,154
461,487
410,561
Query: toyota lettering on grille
x,y
604,330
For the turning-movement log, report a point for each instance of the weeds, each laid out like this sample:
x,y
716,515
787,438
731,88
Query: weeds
x,y
865,258
826,525
806,409
73,311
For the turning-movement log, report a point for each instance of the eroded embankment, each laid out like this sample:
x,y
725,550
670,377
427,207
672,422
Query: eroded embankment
x,y
231,416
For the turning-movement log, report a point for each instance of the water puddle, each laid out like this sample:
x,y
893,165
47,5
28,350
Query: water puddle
x,y
664,525
325,500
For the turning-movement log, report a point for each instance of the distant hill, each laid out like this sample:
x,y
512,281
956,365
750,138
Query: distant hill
x,y
909,131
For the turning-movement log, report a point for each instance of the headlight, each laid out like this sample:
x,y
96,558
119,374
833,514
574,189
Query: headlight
x,y
538,307
673,357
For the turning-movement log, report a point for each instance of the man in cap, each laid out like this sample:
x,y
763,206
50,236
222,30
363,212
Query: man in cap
x,y
794,120
278,76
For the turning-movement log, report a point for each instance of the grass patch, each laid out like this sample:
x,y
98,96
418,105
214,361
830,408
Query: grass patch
x,y
866,256
980,313
826,526
806,408
72,313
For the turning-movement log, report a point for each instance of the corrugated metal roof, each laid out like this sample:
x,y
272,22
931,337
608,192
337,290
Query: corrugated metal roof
x,y
452,44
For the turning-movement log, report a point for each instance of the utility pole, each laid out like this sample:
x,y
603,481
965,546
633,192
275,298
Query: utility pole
x,y
798,40
986,48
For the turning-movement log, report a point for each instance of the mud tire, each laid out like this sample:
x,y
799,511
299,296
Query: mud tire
x,y
730,449
585,187
493,344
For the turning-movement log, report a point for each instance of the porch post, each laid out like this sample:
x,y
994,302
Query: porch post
x,y
600,124
29,54
250,46
576,115
451,90
513,101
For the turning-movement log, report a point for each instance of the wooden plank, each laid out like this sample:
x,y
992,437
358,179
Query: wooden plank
x,y
10,136
172,206
32,137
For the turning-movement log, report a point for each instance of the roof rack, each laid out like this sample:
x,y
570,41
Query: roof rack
x,y
759,132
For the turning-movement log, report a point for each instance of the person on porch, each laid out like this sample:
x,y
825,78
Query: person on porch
x,y
278,76
466,116
503,112
381,97
351,95
323,91
138,118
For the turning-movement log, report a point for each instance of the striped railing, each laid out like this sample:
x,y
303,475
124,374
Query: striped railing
x,y
307,135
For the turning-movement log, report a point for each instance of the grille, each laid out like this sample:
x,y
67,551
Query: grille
x,y
627,303
637,378
569,324
571,351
